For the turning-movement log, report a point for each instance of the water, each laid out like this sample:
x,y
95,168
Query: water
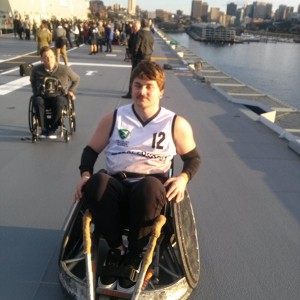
x,y
272,68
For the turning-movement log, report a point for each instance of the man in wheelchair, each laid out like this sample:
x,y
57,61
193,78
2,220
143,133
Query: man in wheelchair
x,y
51,83
141,140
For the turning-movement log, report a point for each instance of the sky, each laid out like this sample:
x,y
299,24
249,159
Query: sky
x,y
185,5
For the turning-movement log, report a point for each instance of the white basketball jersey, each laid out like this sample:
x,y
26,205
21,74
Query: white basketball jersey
x,y
141,148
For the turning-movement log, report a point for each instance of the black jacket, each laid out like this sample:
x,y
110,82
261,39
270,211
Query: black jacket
x,y
144,44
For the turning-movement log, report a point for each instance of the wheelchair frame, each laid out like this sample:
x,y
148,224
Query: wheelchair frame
x,y
175,267
68,120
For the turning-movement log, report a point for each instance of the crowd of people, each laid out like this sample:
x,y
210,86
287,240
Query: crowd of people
x,y
98,34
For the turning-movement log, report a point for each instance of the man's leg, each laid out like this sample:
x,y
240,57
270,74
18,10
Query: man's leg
x,y
147,199
106,199
57,105
39,106
64,54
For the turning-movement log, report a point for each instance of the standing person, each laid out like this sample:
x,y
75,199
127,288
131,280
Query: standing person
x,y
75,31
143,47
15,24
131,47
60,36
43,36
109,35
128,31
27,28
69,82
68,33
61,43
81,32
93,38
101,39
18,27
140,141
86,29
34,29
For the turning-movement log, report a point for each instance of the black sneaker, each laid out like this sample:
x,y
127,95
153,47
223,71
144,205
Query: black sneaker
x,y
44,134
113,260
132,262
52,135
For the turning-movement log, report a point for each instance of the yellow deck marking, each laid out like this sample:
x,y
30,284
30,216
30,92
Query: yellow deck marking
x,y
15,62
163,58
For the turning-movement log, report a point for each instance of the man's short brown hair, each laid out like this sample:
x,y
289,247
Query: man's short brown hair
x,y
45,49
149,70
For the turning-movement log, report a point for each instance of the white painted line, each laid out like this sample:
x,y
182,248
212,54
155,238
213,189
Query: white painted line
x,y
14,85
229,84
99,65
19,56
89,73
21,82
246,94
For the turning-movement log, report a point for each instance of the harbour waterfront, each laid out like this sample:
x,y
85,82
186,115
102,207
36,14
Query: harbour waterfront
x,y
272,68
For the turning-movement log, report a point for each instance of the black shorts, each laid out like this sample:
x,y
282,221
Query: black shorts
x,y
60,42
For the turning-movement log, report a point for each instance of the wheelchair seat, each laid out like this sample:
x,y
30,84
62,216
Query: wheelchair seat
x,y
173,273
67,123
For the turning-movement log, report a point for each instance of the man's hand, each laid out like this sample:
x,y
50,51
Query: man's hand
x,y
176,188
79,187
72,95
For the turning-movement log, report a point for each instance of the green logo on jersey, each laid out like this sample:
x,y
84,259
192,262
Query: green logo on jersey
x,y
123,133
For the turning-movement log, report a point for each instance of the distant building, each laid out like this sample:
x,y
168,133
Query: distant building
x,y
283,13
249,11
214,14
179,13
204,13
231,9
259,10
131,7
269,13
162,15
211,33
240,14
40,9
98,8
196,10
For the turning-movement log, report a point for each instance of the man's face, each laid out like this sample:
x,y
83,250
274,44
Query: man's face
x,y
137,27
49,59
145,92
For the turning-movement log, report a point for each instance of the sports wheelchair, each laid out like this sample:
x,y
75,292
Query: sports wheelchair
x,y
67,124
171,261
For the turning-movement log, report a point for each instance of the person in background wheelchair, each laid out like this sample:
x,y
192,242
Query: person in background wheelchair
x,y
51,82
140,141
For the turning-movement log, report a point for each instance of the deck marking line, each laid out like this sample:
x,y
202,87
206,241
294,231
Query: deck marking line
x,y
14,85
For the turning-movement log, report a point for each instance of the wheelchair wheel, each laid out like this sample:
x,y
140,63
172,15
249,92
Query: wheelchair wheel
x,y
66,136
187,239
32,121
72,119
172,276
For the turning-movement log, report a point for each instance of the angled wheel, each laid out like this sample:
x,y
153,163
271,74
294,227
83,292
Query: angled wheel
x,y
72,119
187,239
32,121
